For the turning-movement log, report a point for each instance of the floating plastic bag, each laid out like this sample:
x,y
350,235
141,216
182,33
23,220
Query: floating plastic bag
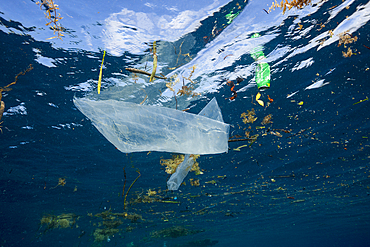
x,y
211,111
135,128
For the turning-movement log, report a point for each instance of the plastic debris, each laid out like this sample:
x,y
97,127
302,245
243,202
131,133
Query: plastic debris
x,y
263,73
230,17
258,96
136,128
181,172
317,84
101,73
183,169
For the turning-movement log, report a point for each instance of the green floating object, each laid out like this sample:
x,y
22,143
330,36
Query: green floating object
x,y
263,76
230,17
263,72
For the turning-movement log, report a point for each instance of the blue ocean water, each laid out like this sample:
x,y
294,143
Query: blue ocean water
x,y
305,180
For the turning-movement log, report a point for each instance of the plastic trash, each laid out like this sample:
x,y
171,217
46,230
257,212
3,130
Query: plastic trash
x,y
263,73
135,128
212,111
181,172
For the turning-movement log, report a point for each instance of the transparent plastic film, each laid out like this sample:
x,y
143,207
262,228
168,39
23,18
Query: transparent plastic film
x,y
137,128
181,172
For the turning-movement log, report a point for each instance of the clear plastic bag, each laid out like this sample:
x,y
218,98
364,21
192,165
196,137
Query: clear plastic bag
x,y
135,128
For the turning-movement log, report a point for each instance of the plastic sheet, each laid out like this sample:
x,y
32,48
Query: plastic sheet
x,y
135,128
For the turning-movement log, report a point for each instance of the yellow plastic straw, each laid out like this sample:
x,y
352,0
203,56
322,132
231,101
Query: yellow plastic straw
x,y
101,73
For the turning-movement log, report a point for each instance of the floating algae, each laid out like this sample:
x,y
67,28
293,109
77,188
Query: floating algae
x,y
60,221
172,164
104,234
111,221
173,232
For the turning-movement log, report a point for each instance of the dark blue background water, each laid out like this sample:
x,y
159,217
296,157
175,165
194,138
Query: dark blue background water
x,y
321,192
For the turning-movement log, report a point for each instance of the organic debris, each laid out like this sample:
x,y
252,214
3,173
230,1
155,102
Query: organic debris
x,y
144,73
61,182
124,201
173,81
346,38
187,90
232,85
276,133
349,53
191,74
2,107
361,101
60,221
178,56
173,232
194,182
247,134
249,117
149,197
51,7
228,56
110,223
253,139
151,192
239,79
172,164
298,4
267,119
238,148
199,243
7,88
104,234
108,215
154,61
270,99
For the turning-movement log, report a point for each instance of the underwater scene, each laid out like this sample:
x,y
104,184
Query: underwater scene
x,y
185,123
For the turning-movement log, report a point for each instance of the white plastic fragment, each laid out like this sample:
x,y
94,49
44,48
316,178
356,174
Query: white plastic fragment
x,y
317,84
